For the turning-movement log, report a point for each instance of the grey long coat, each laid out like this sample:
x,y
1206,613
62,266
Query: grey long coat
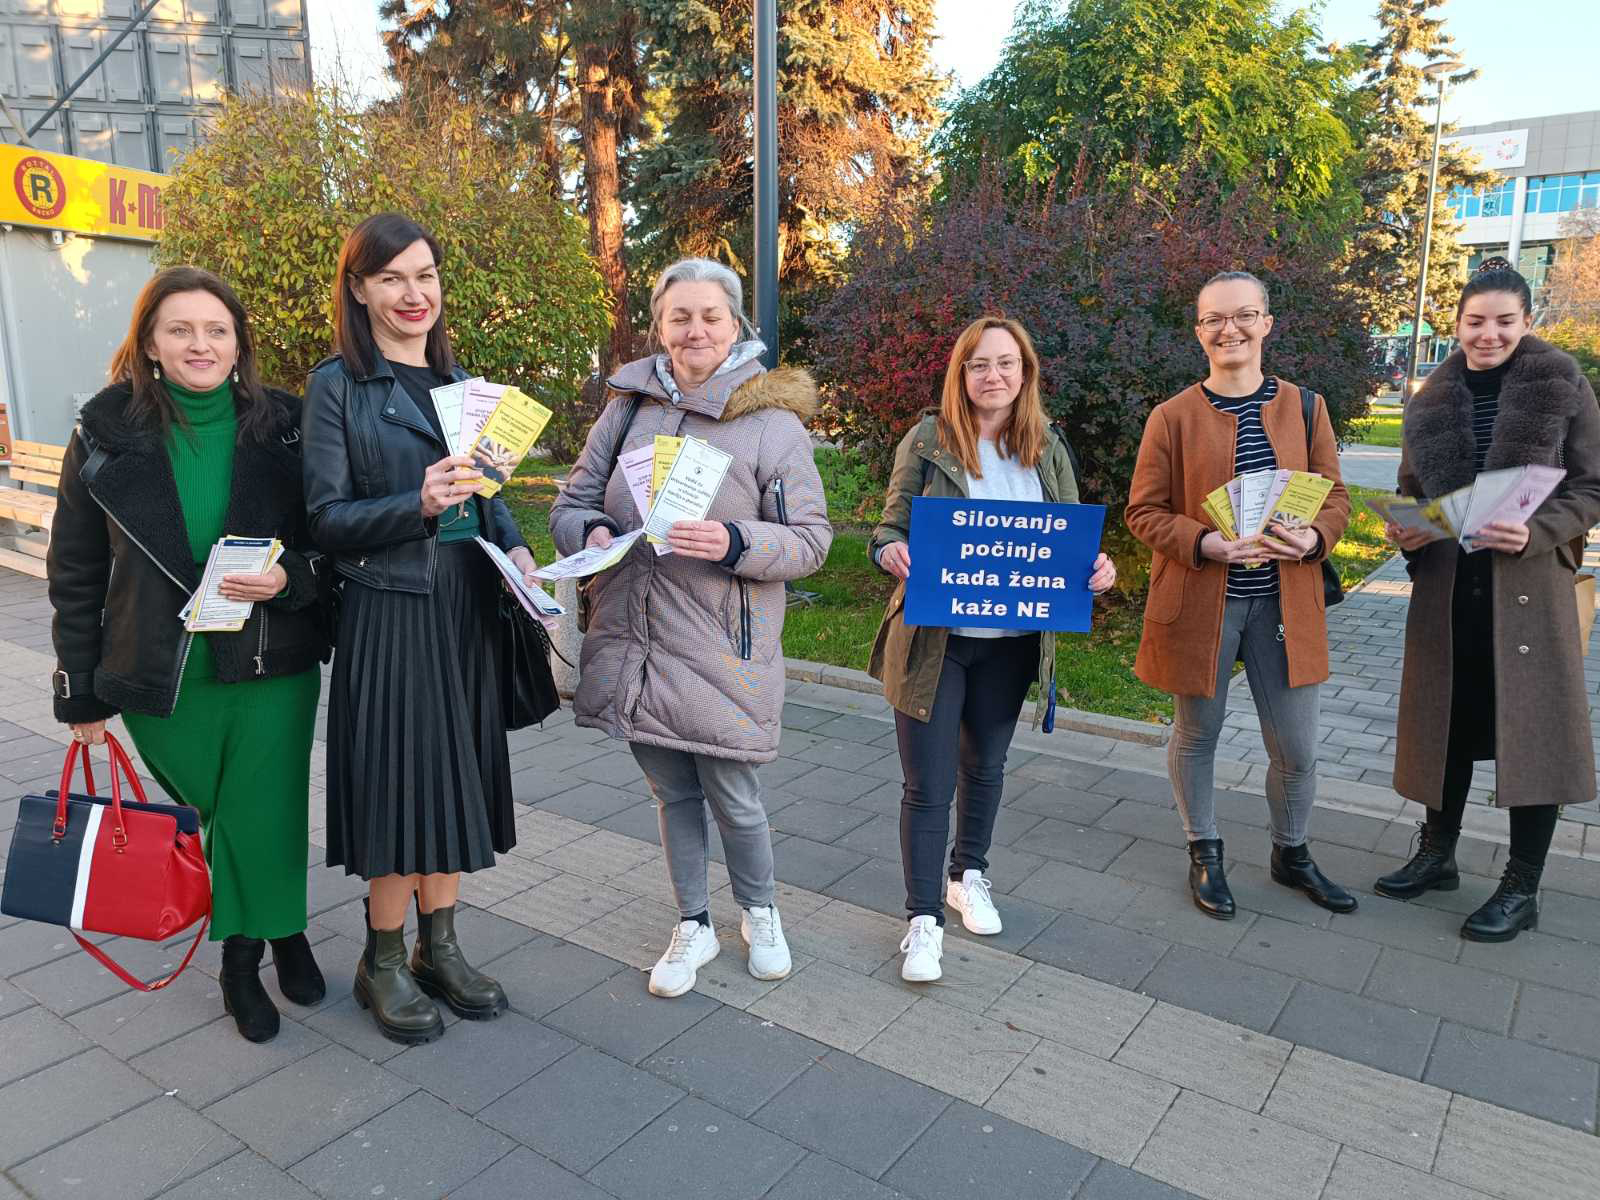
x,y
682,652
1543,753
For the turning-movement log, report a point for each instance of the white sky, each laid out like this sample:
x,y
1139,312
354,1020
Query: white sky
x,y
1533,65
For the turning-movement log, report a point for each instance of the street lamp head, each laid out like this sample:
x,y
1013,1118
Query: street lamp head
x,y
1444,66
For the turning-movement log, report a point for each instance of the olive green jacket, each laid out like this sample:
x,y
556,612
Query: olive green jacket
x,y
908,658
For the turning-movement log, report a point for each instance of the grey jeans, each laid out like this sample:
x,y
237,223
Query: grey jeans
x,y
684,785
1252,630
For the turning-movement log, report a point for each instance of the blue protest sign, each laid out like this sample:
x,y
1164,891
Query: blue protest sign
x,y
1002,564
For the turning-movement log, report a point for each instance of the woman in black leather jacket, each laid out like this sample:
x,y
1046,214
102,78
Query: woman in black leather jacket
x,y
183,447
419,780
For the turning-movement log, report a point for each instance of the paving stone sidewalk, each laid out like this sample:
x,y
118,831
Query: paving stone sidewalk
x,y
1111,1043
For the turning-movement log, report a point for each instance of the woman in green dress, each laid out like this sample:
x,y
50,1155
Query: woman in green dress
x,y
184,446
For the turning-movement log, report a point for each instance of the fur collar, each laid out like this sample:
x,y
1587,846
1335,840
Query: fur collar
x,y
748,389
106,422
1538,398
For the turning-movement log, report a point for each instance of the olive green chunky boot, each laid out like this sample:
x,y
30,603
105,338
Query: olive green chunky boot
x,y
384,985
442,971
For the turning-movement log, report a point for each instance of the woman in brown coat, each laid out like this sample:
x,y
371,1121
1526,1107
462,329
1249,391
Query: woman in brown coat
x,y
1213,601
1493,666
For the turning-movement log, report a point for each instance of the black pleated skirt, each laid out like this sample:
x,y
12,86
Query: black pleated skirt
x,y
419,779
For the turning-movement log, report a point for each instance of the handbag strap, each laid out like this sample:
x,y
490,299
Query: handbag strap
x,y
106,961
121,765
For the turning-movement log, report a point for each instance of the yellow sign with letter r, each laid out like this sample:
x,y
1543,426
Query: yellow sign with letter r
x,y
58,191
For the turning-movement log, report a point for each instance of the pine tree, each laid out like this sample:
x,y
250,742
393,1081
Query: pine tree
x,y
856,96
1387,249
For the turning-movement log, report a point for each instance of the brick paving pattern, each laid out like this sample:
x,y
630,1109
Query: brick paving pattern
x,y
1112,1042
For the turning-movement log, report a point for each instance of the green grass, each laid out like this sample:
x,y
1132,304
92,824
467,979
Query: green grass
x,y
1363,548
1380,429
1094,671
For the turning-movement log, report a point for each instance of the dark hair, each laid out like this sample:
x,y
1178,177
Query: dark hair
x,y
371,246
1234,277
1497,279
131,364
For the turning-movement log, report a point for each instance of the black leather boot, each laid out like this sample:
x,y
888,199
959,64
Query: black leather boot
x,y
1207,883
242,994
443,972
384,985
299,978
1513,907
1292,867
1432,867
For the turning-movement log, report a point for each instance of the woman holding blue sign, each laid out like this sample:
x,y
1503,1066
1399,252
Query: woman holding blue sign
x,y
1218,597
957,692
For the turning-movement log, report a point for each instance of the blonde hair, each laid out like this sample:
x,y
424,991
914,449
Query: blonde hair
x,y
1023,437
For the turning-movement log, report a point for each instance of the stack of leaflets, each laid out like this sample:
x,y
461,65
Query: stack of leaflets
x,y
1511,495
1248,504
494,425
208,610
540,605
674,479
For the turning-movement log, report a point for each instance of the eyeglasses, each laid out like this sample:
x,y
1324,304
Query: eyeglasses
x,y
979,367
1243,319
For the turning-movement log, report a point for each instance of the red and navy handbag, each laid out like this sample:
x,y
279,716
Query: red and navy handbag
x,y
132,869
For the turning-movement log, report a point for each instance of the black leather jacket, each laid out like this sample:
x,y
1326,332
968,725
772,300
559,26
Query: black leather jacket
x,y
367,447
120,566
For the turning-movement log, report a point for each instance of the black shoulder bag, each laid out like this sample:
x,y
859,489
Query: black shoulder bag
x,y
1332,589
586,585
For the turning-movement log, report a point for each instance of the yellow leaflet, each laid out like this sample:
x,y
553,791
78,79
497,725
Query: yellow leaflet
x,y
507,436
1300,501
1219,507
667,448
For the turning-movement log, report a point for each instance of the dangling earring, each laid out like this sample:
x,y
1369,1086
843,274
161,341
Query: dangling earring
x,y
155,368
236,374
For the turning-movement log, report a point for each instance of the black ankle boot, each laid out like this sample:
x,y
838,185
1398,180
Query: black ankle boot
x,y
1513,907
1292,867
442,971
242,994
1207,883
298,976
1432,867
384,985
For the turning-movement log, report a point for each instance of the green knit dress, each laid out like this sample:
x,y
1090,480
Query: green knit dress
x,y
238,752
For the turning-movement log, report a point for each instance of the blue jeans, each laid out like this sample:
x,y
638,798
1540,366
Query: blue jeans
x,y
1252,630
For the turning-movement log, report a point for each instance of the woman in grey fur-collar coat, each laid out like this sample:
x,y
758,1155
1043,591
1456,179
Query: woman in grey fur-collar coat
x,y
1493,667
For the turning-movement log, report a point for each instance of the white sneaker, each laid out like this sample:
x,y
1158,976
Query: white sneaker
x,y
693,946
762,931
970,898
923,948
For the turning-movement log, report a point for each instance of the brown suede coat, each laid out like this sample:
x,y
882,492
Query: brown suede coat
x,y
1186,453
1542,748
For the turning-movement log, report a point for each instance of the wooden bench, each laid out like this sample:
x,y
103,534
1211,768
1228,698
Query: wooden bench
x,y
39,464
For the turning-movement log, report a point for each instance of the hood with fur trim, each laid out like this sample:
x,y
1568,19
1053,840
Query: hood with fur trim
x,y
747,389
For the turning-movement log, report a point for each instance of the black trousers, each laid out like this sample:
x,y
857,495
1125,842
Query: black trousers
x,y
960,752
1472,713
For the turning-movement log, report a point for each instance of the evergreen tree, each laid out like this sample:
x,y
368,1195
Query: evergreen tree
x,y
1137,91
565,75
856,94
1387,250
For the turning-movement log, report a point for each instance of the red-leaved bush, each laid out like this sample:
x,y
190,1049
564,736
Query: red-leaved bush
x,y
1105,284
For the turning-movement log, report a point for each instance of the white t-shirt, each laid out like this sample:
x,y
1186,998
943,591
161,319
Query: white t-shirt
x,y
1003,479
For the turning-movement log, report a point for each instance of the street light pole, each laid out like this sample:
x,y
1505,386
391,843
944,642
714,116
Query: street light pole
x,y
765,80
1436,71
